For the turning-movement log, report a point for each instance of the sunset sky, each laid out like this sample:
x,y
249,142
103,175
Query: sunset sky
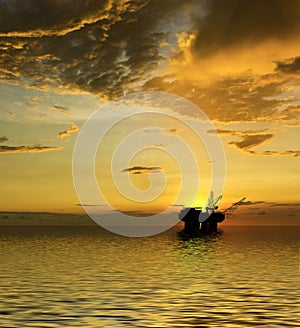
x,y
239,61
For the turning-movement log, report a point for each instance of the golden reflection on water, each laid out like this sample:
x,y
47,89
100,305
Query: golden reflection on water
x,y
85,277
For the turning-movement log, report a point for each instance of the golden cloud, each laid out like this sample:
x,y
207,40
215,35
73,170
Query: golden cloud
x,y
294,153
142,169
72,129
26,149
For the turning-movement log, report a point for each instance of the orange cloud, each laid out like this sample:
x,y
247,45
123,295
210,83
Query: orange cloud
x,y
72,129
26,149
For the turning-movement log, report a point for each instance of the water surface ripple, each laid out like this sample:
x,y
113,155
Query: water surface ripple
x,y
86,277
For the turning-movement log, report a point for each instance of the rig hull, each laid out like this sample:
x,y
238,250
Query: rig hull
x,y
192,225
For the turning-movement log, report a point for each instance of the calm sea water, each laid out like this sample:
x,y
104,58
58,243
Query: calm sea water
x,y
85,277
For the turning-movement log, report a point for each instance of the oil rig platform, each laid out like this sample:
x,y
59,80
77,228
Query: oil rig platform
x,y
197,222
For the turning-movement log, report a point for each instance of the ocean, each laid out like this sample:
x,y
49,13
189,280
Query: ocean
x,y
87,277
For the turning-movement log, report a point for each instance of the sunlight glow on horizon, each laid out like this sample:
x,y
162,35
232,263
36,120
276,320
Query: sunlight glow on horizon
x,y
244,76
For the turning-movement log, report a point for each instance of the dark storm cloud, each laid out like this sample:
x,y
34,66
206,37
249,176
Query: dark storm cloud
x,y
142,169
3,139
110,48
233,23
26,149
32,18
104,47
234,29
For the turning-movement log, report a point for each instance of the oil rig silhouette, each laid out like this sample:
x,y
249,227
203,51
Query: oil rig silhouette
x,y
197,222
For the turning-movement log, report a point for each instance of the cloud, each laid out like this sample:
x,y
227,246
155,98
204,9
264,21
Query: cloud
x,y
285,204
235,132
26,149
235,23
233,98
177,205
72,129
32,105
294,153
222,132
139,213
3,139
104,47
62,109
27,18
291,112
262,212
233,65
249,141
229,58
142,169
249,202
291,65
163,131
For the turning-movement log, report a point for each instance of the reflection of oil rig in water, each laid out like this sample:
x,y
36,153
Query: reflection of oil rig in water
x,y
197,222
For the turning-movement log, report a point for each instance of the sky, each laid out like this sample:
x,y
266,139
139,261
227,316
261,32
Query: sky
x,y
238,61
